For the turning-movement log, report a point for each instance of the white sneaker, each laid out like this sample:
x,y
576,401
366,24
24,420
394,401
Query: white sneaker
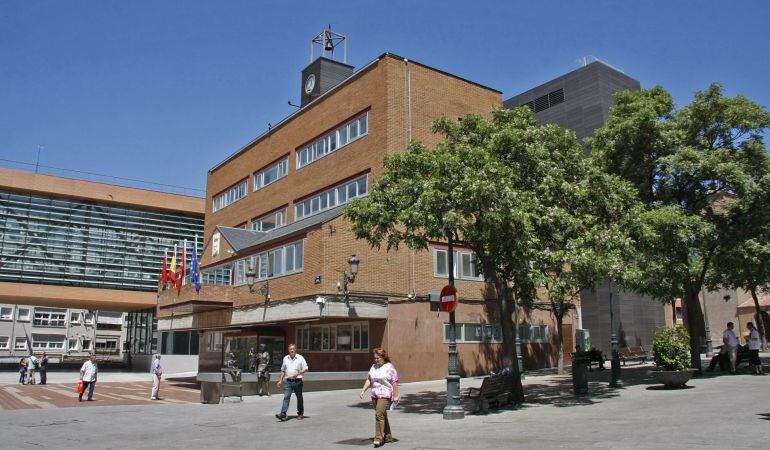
x,y
153,398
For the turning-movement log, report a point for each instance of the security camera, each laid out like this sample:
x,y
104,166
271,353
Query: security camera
x,y
320,300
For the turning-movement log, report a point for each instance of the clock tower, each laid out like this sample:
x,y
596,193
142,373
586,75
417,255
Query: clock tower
x,y
325,72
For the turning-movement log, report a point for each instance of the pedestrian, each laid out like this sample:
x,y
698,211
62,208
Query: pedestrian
x,y
43,368
754,345
88,374
383,379
262,364
294,365
31,367
23,370
730,345
156,371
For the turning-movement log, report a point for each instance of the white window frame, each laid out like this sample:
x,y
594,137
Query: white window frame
x,y
86,348
16,343
459,255
281,168
73,348
8,315
77,318
261,263
527,330
89,319
304,336
230,196
280,221
332,197
7,341
26,317
48,318
333,141
491,333
49,343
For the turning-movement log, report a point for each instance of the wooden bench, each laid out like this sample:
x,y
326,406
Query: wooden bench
x,y
592,357
494,390
632,354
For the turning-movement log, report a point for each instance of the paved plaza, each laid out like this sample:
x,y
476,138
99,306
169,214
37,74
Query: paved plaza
x,y
720,411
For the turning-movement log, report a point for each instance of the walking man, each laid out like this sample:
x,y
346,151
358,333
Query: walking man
x,y
730,341
88,377
156,371
43,363
755,343
293,367
31,367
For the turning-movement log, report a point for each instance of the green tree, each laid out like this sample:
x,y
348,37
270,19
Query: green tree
x,y
541,220
682,162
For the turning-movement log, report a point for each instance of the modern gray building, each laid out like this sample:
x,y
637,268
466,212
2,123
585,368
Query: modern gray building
x,y
581,100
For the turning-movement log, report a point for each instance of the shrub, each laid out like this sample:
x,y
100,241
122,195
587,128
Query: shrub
x,y
671,348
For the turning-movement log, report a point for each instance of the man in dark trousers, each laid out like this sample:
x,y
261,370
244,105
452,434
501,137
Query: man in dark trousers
x,y
294,365
43,368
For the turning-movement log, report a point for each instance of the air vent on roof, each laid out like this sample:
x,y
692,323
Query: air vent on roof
x,y
546,101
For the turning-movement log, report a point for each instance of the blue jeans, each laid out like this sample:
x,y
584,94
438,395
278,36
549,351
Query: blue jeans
x,y
296,387
90,386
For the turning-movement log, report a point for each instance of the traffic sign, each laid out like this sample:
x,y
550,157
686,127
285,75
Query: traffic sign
x,y
448,298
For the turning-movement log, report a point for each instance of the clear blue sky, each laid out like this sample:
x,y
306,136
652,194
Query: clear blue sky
x,y
164,90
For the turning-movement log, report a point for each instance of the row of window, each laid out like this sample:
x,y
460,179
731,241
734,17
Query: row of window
x,y
283,260
270,221
342,136
342,337
46,343
492,333
335,140
46,317
331,198
464,265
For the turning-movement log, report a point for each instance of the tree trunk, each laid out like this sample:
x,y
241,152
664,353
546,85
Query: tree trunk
x,y
505,299
758,315
692,316
560,341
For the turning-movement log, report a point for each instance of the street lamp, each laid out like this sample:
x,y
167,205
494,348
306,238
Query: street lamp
x,y
615,362
251,276
342,287
709,344
453,409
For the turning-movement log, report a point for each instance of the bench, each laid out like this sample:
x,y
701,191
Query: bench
x,y
494,390
592,357
632,354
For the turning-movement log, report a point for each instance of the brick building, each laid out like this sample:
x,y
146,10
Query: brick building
x,y
275,206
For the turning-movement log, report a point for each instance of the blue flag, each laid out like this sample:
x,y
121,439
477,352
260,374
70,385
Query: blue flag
x,y
195,275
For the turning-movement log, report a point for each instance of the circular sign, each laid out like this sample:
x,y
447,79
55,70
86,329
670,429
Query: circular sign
x,y
448,299
309,83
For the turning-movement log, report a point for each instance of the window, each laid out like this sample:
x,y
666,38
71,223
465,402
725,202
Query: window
x,y
88,318
49,318
271,174
214,341
72,345
270,221
47,342
219,275
86,345
537,334
465,265
343,337
475,333
20,343
6,313
283,260
332,197
23,315
342,136
75,318
230,196
4,342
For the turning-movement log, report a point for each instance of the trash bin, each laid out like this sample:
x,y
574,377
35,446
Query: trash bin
x,y
580,373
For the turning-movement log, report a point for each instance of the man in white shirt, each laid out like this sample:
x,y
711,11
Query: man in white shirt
x,y
730,345
755,344
293,367
156,371
88,377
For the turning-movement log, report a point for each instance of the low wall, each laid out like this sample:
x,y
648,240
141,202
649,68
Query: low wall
x,y
311,381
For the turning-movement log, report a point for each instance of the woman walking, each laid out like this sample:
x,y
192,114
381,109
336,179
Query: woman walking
x,y
22,370
383,379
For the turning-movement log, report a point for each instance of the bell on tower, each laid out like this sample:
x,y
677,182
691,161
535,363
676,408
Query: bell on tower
x,y
325,72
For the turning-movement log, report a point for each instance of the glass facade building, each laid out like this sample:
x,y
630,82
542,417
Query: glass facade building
x,y
70,242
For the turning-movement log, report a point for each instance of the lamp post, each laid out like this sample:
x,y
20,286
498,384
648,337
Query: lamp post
x,y
453,409
251,276
615,363
342,287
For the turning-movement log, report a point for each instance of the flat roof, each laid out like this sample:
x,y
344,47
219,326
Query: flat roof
x,y
56,186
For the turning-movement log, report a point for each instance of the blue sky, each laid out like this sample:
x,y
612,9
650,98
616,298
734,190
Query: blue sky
x,y
163,91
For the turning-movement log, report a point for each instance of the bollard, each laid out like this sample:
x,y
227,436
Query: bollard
x,y
580,373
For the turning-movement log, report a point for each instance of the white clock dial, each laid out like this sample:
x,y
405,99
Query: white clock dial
x,y
309,84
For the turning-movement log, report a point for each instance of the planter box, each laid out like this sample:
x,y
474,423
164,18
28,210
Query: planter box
x,y
673,378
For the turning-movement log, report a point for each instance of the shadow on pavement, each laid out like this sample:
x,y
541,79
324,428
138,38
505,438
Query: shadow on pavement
x,y
764,416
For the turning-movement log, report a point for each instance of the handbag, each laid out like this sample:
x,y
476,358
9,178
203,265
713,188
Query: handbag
x,y
80,387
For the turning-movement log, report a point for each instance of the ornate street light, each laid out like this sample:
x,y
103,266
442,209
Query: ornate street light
x,y
251,276
342,287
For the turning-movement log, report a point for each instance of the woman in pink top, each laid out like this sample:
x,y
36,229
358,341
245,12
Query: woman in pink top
x,y
383,379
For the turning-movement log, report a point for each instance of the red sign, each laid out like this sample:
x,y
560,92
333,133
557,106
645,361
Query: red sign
x,y
448,299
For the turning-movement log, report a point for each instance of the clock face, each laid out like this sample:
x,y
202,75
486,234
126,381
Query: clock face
x,y
309,84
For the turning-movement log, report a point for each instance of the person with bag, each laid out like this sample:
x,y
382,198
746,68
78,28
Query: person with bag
x,y
383,379
22,370
88,378
755,343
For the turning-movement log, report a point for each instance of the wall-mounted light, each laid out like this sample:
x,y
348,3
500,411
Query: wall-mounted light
x,y
251,277
342,287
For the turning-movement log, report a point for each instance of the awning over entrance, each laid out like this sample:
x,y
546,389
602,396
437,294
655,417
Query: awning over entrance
x,y
195,306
